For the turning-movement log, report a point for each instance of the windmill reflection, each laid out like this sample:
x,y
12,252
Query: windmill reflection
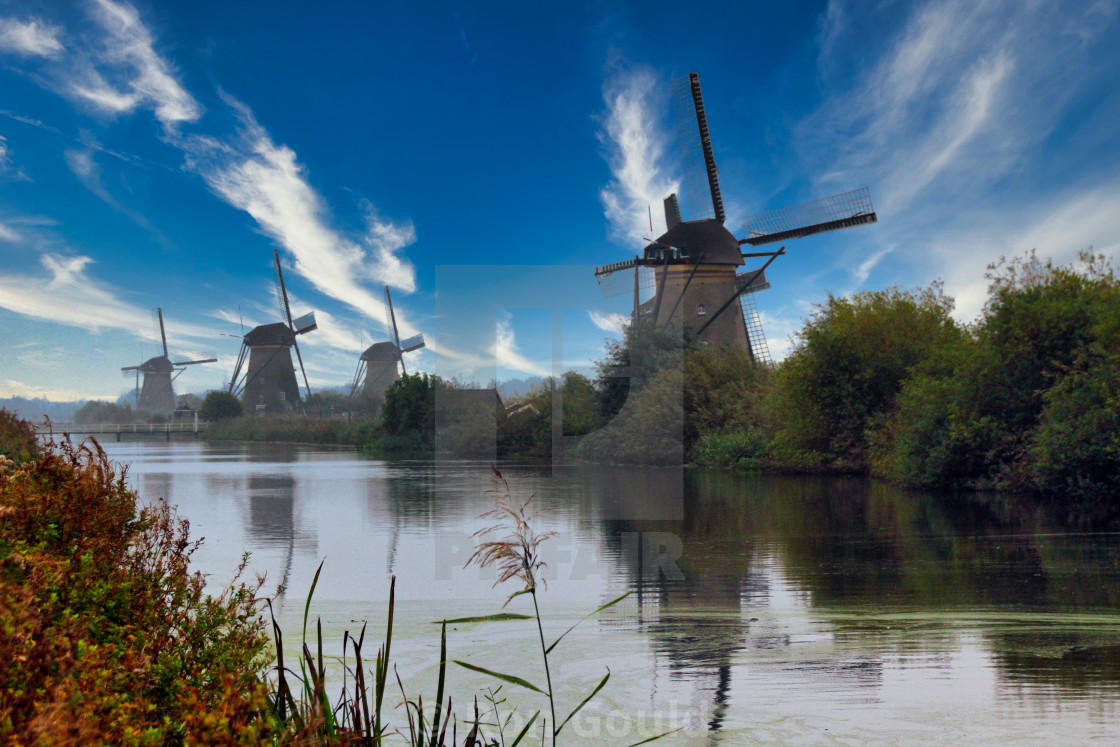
x,y
272,519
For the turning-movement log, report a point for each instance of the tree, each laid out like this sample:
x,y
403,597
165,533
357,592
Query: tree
x,y
189,402
97,411
409,408
220,405
848,365
1028,401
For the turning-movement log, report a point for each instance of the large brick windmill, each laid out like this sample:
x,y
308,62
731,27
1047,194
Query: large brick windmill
x,y
157,394
695,265
269,381
377,366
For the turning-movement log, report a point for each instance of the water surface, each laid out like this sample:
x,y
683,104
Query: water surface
x,y
762,609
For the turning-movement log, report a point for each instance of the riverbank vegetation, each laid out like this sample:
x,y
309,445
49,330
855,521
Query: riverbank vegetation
x,y
108,637
884,383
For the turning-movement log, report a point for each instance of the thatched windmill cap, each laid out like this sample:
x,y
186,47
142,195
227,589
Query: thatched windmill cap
x,y
381,351
276,333
720,247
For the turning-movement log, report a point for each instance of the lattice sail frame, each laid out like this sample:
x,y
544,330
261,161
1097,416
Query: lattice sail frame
x,y
617,279
760,351
830,213
697,191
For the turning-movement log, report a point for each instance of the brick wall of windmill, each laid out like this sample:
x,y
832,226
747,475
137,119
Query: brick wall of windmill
x,y
156,394
710,288
270,373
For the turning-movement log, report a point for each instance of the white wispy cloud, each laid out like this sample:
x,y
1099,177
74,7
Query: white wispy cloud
x,y
1058,227
127,72
32,37
609,322
120,71
634,142
68,295
953,118
507,354
13,388
266,180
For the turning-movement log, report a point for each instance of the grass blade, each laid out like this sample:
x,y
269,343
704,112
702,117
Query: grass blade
x,y
611,603
439,684
586,700
525,730
500,617
382,674
504,677
307,604
659,736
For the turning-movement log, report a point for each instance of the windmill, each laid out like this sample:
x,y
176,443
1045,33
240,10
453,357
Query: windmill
x,y
377,366
269,381
157,394
694,266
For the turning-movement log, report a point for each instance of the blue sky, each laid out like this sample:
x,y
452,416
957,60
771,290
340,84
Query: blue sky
x,y
481,158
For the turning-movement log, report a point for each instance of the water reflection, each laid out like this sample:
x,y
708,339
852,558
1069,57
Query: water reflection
x,y
754,598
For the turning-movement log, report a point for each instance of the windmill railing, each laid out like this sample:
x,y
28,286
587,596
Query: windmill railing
x,y
193,427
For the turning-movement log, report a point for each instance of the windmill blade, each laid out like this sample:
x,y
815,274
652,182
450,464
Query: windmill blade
x,y
819,216
282,294
305,323
359,378
618,278
701,178
756,338
412,343
192,363
237,366
391,318
162,334
299,358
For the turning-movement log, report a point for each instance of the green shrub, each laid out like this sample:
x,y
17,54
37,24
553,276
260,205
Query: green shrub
x,y
741,449
17,438
97,411
846,369
1026,401
106,636
220,405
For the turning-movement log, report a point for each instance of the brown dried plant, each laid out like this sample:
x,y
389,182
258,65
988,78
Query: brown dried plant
x,y
517,552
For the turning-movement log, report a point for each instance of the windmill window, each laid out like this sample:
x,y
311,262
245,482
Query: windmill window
x,y
701,311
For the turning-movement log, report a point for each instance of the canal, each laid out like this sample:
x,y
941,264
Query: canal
x,y
761,609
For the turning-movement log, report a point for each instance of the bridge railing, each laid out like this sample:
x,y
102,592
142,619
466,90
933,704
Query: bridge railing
x,y
117,429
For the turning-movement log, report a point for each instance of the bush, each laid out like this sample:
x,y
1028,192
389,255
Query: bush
x,y
106,637
1027,401
724,392
741,449
220,405
648,429
97,411
410,410
848,365
17,438
633,362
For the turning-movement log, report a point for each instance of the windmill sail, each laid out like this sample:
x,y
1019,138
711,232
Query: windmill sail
x,y
157,394
286,310
828,214
305,323
412,343
701,178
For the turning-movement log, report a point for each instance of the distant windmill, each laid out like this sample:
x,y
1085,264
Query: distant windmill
x,y
377,366
270,378
694,264
157,394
